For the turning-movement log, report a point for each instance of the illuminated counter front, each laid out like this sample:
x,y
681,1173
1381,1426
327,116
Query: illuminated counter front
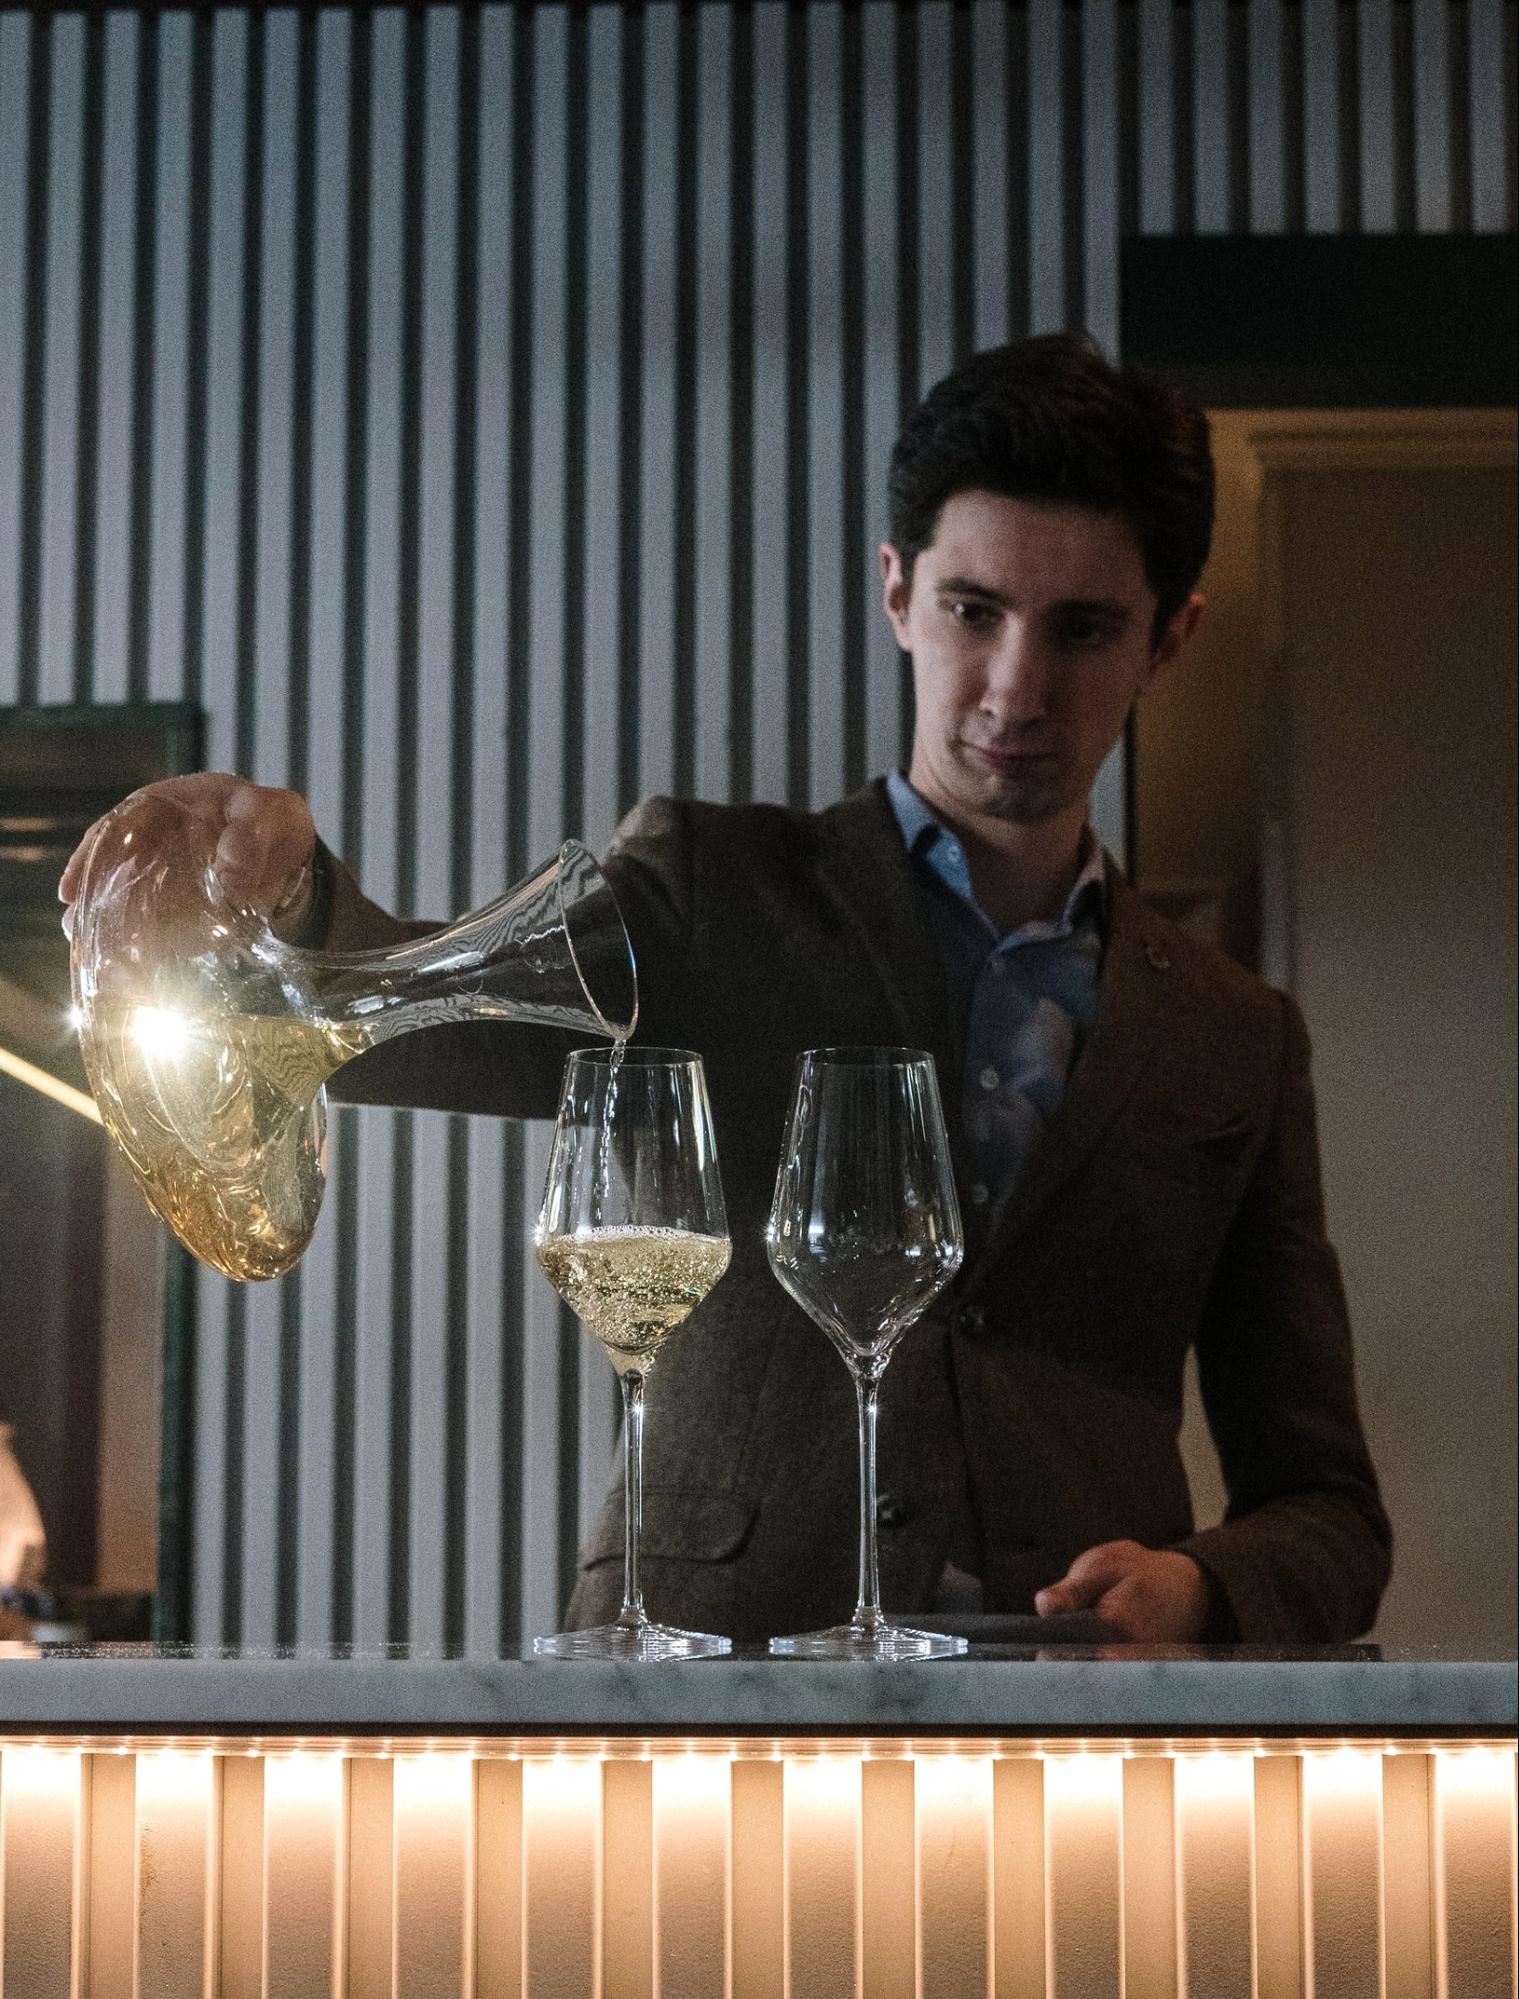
x,y
1066,1827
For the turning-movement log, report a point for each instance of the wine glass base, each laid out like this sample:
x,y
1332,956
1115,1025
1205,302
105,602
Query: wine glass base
x,y
632,1641
879,1642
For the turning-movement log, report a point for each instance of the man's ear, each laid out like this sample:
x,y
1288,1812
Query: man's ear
x,y
894,592
1178,634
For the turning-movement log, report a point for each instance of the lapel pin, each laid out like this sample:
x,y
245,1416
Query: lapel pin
x,y
1157,955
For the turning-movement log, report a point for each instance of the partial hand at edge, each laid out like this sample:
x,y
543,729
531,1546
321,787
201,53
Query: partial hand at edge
x,y
1147,1595
265,837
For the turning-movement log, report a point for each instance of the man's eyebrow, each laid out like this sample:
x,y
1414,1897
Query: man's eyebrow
x,y
1101,607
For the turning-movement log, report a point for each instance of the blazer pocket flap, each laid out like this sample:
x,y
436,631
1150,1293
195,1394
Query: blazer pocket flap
x,y
680,1524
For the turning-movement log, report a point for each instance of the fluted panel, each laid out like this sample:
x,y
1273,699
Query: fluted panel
x,y
483,413
720,1872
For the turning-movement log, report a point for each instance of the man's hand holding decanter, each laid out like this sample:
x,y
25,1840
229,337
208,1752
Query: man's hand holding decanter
x,y
264,840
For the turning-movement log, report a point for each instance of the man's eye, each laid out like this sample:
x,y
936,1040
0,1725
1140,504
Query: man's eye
x,y
1085,635
975,617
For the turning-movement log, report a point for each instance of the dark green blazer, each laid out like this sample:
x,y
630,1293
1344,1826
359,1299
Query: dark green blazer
x,y
1174,1203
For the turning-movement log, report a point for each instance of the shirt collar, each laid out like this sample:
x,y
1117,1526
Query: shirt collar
x,y
923,831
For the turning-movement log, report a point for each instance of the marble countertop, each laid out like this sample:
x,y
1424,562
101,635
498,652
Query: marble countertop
x,y
1073,1691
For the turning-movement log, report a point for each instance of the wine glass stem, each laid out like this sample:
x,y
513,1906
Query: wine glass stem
x,y
867,1613
632,1493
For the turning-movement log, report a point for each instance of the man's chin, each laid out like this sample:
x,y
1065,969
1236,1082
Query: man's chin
x,y
1021,799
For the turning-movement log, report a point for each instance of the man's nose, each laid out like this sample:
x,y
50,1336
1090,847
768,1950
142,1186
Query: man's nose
x,y
1017,689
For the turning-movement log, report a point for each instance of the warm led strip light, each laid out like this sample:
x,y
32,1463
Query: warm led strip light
x,y
39,1079
1265,1870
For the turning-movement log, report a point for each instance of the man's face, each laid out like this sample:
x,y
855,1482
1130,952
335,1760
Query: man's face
x,y
1030,629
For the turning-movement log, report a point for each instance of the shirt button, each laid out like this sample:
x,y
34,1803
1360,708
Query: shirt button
x,y
980,1194
989,1079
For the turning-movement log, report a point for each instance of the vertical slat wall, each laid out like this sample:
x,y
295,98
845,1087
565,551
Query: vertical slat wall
x,y
484,413
1196,1874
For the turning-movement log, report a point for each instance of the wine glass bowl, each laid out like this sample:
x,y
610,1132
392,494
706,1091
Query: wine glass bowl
x,y
864,1233
633,1235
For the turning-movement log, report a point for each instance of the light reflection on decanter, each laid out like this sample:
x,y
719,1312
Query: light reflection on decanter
x,y
207,1041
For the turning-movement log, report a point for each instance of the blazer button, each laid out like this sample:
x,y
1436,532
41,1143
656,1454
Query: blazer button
x,y
894,1511
970,1319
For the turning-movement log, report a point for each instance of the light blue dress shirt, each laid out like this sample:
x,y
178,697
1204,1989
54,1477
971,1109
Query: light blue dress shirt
x,y
1026,999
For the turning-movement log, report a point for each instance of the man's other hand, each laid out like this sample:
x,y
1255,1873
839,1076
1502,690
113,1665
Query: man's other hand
x,y
1147,1595
264,838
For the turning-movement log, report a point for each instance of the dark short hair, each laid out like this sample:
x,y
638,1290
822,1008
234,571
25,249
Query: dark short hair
x,y
1051,419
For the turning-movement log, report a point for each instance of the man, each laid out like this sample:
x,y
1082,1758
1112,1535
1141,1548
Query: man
x,y
1131,1113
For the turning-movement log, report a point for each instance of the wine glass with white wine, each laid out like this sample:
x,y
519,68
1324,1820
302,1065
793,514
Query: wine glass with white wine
x,y
864,1233
633,1235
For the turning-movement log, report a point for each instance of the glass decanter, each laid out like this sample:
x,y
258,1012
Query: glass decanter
x,y
208,1041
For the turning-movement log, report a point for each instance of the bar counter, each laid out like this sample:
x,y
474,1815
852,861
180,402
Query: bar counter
x,y
1068,1822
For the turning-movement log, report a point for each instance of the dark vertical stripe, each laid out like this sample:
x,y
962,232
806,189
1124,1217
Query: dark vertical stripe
x,y
572,1385
1128,121
853,551
466,404
630,402
962,167
1404,126
1458,109
1509,98
197,355
409,526
1237,123
248,453
741,414
513,1273
576,287
298,528
1294,153
1018,245
350,1131
232,1468
1350,118
299,525
400,1383
456,1388
173,1602
356,467
909,387
408,538
29,566
144,357
686,271
347,1140
519,482
286,1447
1183,135
1072,126
798,424
574,112
87,396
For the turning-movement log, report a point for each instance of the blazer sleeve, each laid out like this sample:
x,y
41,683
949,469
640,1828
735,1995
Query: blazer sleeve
x,y
496,1067
1304,1550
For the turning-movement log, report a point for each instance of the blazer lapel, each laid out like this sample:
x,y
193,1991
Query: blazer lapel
x,y
1128,1026
866,864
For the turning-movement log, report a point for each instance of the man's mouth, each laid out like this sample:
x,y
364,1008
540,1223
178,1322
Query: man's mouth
x,y
1010,762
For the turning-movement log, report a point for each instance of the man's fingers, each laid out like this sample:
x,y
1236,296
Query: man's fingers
x,y
1090,1576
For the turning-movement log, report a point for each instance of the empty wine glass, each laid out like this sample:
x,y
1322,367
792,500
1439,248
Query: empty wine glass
x,y
633,1235
864,1233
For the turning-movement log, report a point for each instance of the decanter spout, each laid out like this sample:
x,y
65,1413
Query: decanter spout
x,y
553,950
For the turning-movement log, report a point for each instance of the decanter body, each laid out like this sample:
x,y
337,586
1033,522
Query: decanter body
x,y
208,1041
